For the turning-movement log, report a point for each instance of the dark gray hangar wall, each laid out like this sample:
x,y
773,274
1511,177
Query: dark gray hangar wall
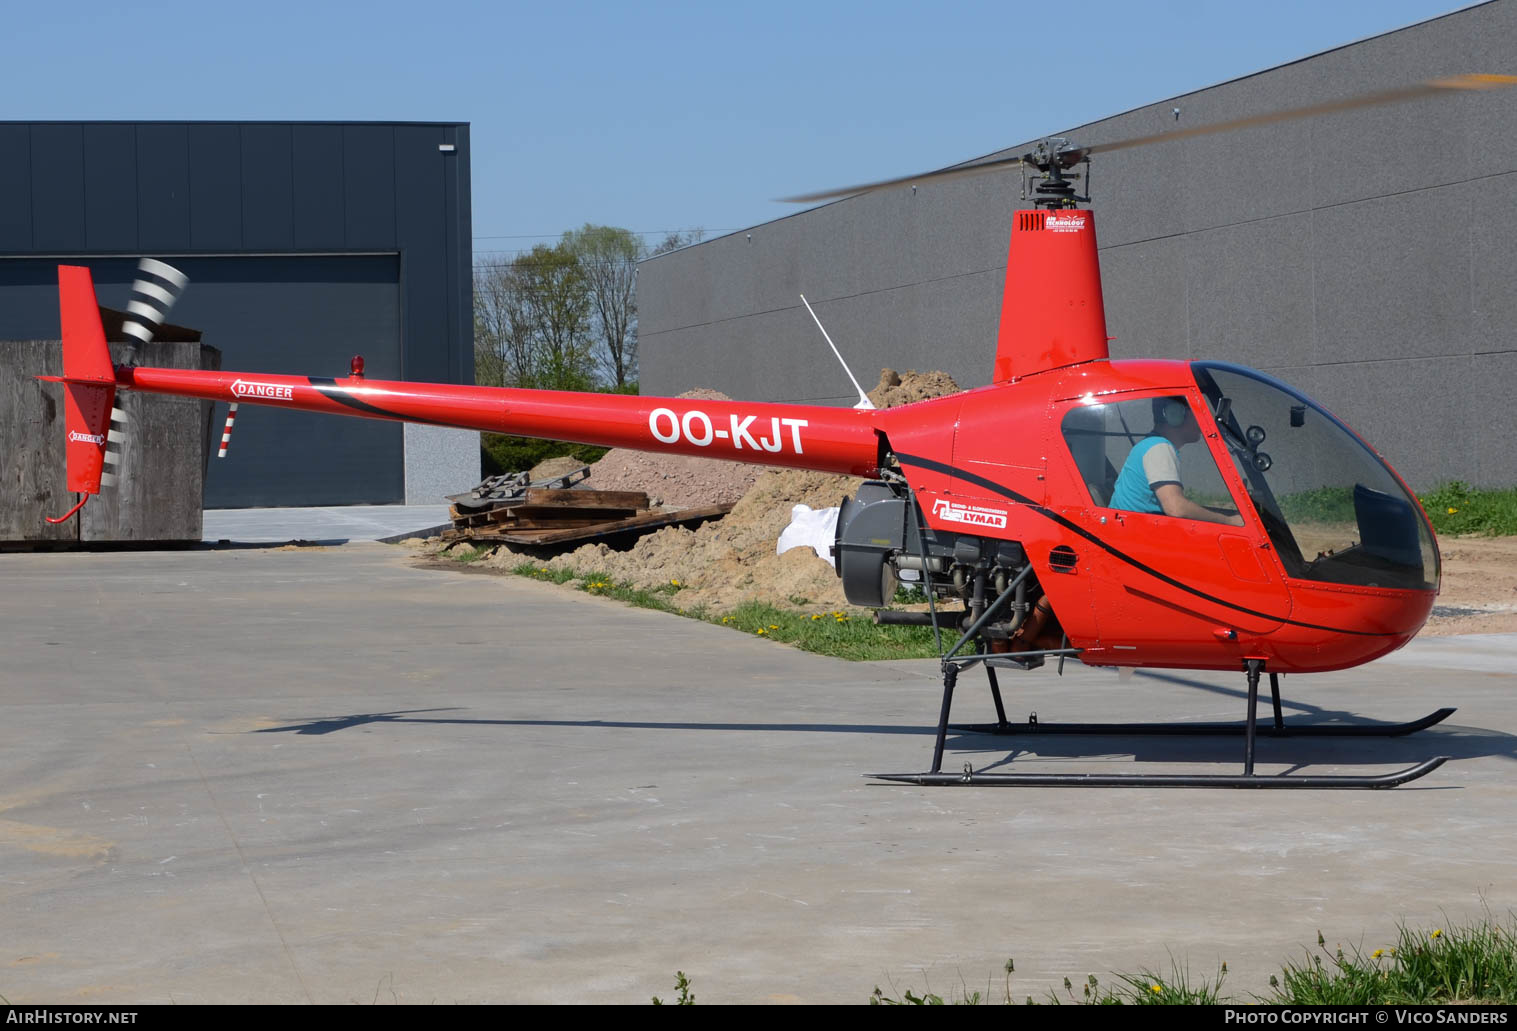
x,y
1369,258
305,244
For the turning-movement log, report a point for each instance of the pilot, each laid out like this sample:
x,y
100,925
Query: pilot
x,y
1150,478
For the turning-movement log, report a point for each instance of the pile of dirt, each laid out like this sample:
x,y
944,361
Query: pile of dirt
x,y
552,467
675,481
730,561
1479,594
895,389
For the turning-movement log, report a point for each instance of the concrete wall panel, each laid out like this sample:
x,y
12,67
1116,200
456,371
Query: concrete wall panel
x,y
1248,292
1392,276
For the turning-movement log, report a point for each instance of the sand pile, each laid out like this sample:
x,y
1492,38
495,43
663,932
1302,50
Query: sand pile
x,y
894,389
675,481
553,467
722,564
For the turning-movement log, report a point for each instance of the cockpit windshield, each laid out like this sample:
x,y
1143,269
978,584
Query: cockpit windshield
x,y
1333,510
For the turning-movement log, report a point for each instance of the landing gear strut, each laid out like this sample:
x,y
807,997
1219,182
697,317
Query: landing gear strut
x,y
1253,668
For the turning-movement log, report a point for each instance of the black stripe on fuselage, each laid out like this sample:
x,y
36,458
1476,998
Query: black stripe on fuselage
x,y
329,388
1022,499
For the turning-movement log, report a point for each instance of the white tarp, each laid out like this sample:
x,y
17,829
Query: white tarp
x,y
810,528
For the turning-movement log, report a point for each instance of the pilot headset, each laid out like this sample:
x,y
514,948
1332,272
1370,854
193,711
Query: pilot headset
x,y
1169,411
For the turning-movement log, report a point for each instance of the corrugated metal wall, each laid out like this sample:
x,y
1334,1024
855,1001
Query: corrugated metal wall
x,y
1365,257
305,243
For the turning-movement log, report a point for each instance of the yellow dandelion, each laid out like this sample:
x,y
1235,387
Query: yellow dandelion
x,y
1377,954
1437,933
674,582
773,626
1155,989
1452,511
762,631
815,616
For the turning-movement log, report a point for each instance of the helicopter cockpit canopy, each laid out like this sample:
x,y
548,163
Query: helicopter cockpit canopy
x,y
1333,509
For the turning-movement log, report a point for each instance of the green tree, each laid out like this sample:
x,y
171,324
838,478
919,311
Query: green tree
x,y
608,258
532,321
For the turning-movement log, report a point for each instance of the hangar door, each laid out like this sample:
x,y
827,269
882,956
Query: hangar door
x,y
294,314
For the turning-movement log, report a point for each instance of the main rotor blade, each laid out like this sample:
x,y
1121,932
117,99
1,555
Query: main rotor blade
x,y
1391,96
946,173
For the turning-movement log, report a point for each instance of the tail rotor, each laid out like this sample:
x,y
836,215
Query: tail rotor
x,y
155,290
157,287
96,425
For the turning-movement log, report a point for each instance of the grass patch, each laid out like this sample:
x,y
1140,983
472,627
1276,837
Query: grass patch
x,y
1319,505
603,586
840,634
1141,989
1473,964
1459,508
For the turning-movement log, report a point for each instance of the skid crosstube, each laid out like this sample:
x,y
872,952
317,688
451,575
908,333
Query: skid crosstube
x,y
971,779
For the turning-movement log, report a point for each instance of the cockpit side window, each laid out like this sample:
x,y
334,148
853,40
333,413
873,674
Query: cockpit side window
x,y
1135,456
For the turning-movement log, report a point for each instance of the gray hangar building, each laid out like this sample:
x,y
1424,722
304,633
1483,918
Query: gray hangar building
x,y
1368,257
305,244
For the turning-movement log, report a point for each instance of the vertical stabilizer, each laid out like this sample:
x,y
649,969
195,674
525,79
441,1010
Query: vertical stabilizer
x,y
1051,313
89,381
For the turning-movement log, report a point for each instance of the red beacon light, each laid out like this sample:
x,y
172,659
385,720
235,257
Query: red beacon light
x,y
355,367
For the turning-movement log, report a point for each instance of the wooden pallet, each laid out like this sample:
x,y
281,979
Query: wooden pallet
x,y
546,536
542,508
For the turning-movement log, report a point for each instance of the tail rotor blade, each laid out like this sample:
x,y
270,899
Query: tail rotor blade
x,y
115,442
157,287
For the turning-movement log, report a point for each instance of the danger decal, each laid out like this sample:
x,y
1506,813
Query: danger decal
x,y
262,391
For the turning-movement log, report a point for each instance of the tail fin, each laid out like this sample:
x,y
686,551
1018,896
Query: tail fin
x,y
89,381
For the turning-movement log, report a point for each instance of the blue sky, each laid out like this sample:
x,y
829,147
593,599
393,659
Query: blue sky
x,y
658,116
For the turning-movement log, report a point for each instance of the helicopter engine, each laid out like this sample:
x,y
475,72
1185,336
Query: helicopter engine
x,y
883,542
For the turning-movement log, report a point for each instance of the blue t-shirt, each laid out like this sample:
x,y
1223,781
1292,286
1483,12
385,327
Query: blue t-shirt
x,y
1152,463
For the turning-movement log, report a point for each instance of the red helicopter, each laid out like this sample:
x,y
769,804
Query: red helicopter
x,y
1135,513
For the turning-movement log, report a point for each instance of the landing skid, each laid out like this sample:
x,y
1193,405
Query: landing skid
x,y
1248,730
1032,726
1159,780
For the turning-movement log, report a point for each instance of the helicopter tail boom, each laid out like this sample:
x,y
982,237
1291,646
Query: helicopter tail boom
x,y
825,439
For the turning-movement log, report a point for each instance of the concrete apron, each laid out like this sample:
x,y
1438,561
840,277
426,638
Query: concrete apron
x,y
322,775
